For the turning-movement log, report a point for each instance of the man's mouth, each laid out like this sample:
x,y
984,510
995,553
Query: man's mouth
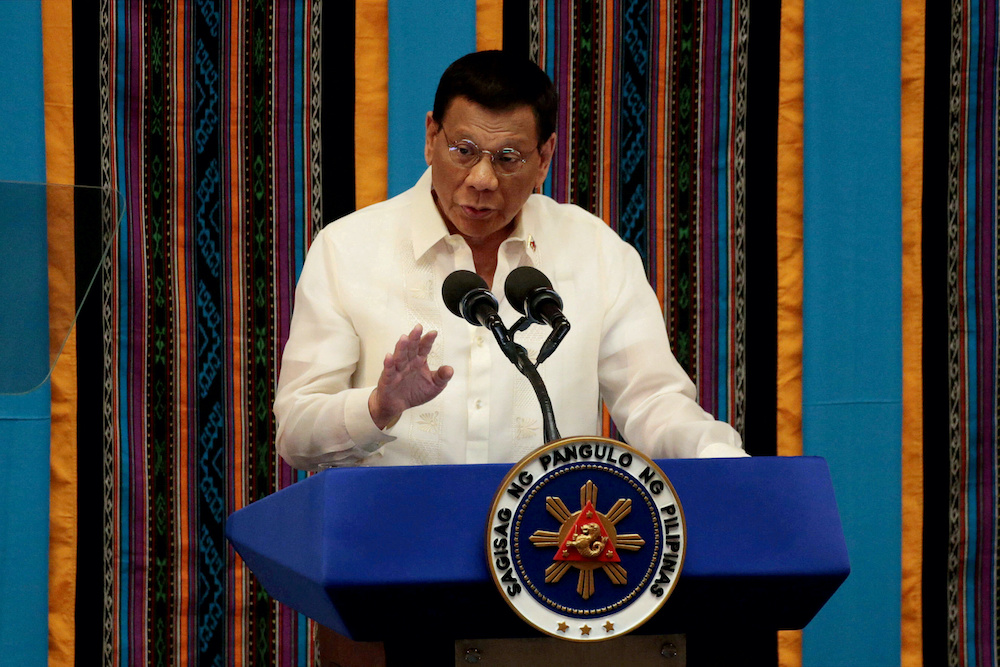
x,y
476,213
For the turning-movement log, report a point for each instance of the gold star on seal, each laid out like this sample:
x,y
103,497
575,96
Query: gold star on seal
x,y
609,627
585,630
563,627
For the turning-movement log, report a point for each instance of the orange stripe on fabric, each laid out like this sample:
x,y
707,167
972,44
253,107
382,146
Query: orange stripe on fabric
x,y
184,602
371,101
57,52
790,258
663,170
912,122
238,221
605,175
239,494
789,235
238,251
489,24
607,111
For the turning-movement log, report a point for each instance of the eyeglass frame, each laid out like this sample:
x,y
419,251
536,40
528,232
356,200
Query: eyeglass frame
x,y
453,146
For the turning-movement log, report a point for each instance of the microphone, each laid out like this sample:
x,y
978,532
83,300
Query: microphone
x,y
531,294
466,295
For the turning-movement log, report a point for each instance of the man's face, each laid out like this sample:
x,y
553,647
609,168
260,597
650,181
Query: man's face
x,y
479,202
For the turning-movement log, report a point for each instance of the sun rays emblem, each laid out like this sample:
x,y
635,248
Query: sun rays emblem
x,y
587,540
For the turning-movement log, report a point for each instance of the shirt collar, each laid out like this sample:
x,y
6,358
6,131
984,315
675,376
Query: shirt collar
x,y
427,227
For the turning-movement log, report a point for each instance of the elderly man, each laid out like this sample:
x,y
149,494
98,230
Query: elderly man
x,y
353,393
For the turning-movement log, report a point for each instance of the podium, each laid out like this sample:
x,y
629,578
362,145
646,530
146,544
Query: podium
x,y
390,553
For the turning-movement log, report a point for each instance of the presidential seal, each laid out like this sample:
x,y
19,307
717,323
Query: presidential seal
x,y
586,538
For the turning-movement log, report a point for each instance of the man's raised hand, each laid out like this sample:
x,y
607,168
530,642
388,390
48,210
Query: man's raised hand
x,y
406,379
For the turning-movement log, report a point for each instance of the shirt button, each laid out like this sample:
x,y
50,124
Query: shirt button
x,y
479,403
479,341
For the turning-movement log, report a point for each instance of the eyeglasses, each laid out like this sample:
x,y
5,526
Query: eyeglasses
x,y
466,154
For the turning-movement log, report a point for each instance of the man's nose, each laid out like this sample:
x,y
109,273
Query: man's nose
x,y
482,176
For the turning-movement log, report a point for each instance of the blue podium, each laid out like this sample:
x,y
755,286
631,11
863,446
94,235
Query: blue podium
x,y
377,553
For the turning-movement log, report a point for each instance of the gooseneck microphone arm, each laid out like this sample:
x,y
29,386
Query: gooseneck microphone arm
x,y
467,296
528,370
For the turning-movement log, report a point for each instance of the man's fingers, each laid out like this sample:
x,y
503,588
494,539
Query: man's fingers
x,y
403,352
415,334
410,345
389,366
443,375
426,343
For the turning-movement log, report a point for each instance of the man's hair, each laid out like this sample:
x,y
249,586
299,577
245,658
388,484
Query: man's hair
x,y
500,81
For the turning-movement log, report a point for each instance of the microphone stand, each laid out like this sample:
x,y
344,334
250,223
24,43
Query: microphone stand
x,y
519,357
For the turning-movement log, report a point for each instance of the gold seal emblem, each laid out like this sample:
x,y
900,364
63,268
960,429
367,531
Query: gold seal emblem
x,y
625,541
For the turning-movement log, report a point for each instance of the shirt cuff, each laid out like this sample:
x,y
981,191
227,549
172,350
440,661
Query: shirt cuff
x,y
360,427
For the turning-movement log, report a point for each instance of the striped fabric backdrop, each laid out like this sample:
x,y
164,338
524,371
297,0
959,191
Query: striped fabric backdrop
x,y
205,115
209,113
230,149
961,278
653,139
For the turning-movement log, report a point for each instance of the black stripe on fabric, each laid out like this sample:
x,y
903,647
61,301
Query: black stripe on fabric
x,y
760,425
516,27
751,646
90,486
337,112
260,95
935,334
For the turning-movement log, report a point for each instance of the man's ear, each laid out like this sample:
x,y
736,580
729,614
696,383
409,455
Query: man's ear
x,y
545,152
431,128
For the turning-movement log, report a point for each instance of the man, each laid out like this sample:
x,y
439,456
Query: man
x,y
351,393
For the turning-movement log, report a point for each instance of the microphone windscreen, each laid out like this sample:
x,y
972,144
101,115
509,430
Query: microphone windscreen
x,y
521,282
457,285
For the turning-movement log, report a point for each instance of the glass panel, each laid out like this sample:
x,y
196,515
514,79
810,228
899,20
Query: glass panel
x,y
30,340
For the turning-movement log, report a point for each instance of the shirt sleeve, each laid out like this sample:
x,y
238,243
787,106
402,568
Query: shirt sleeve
x,y
648,393
322,421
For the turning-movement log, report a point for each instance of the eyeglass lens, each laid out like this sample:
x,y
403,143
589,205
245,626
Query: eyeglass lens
x,y
466,154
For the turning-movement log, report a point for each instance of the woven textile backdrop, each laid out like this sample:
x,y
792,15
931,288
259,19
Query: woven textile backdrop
x,y
667,132
203,120
231,151
961,280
